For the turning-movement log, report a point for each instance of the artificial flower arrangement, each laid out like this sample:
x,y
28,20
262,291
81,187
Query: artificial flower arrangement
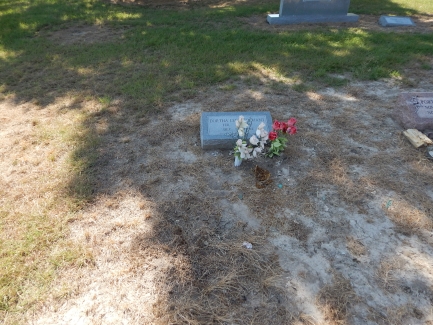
x,y
277,137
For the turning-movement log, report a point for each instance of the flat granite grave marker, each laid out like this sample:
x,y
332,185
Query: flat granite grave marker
x,y
218,129
312,11
390,21
415,110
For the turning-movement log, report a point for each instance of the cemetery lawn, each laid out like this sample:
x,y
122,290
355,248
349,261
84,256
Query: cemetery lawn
x,y
110,211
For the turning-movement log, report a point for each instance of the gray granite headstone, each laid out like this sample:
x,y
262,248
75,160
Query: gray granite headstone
x,y
415,111
390,21
312,11
218,129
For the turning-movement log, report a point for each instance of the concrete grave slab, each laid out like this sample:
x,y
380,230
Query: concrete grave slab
x,y
390,21
218,129
415,110
312,11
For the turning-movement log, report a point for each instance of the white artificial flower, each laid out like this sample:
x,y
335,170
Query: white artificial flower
x,y
241,124
254,140
245,151
245,155
241,132
264,135
256,151
239,143
262,144
259,129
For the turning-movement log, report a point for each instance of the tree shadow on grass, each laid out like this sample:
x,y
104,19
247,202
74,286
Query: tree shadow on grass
x,y
382,8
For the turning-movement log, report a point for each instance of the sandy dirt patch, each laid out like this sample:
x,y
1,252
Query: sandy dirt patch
x,y
84,35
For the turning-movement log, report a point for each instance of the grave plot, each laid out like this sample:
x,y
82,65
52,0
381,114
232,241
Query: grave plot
x,y
341,233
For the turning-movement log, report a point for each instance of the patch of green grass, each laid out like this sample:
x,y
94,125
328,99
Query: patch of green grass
x,y
301,87
228,87
164,51
426,66
153,62
82,159
335,81
394,7
105,101
278,86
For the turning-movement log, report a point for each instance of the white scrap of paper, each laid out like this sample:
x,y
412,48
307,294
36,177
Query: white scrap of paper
x,y
247,245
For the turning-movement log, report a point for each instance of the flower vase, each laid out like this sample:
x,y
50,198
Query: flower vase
x,y
238,161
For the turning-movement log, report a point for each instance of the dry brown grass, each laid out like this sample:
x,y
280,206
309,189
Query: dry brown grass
x,y
408,219
355,246
305,319
37,147
386,274
213,278
400,315
336,299
85,35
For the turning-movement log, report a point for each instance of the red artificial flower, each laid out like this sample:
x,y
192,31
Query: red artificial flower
x,y
272,135
284,126
291,121
292,130
277,125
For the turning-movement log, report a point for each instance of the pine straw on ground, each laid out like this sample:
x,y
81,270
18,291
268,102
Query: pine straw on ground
x,y
336,299
213,278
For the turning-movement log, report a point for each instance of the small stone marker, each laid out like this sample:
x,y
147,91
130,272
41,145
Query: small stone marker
x,y
218,129
390,21
415,110
312,11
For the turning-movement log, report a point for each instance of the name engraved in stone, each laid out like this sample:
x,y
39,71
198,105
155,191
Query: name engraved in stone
x,y
226,125
423,106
